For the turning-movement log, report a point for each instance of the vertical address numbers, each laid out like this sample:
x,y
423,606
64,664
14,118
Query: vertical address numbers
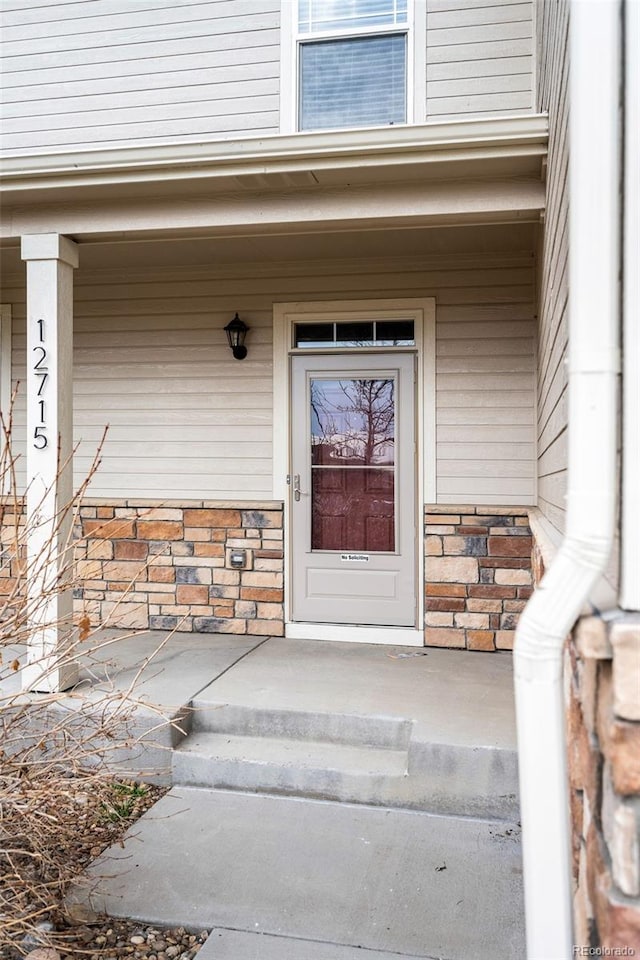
x,y
41,371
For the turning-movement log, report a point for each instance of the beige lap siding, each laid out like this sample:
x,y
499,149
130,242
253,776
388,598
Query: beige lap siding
x,y
477,575
112,73
168,567
552,405
187,422
479,58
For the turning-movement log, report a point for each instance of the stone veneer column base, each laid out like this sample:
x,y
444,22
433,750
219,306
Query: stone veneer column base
x,y
477,575
146,565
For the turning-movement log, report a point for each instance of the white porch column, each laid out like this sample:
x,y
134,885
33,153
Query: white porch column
x,y
50,262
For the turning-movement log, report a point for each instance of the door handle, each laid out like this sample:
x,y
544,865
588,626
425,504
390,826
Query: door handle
x,y
296,487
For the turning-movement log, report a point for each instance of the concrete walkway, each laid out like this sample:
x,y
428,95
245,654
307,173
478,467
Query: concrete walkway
x,y
297,877
239,945
398,881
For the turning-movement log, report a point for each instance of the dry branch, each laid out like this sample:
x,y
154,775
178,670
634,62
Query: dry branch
x,y
62,800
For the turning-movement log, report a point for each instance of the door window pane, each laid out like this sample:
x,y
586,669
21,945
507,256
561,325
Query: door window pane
x,y
395,333
354,333
314,334
353,464
353,509
353,83
357,334
352,422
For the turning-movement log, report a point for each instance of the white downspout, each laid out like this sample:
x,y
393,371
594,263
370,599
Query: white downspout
x,y
595,134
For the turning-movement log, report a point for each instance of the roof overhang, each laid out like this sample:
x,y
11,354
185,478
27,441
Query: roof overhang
x,y
466,149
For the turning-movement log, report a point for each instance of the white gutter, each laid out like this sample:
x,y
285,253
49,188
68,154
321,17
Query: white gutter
x,y
551,613
527,132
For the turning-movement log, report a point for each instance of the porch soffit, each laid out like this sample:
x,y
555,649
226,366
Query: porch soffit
x,y
468,149
297,212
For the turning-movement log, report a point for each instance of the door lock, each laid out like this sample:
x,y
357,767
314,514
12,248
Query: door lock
x,y
296,487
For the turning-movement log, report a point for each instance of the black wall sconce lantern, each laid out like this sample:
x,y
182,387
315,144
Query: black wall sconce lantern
x,y
236,331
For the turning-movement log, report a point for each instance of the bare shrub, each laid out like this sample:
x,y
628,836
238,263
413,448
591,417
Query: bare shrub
x,y
63,795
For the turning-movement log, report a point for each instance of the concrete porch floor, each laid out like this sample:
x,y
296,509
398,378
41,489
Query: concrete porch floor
x,y
450,697
457,696
453,696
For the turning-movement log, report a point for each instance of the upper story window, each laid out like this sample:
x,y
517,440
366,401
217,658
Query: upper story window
x,y
351,64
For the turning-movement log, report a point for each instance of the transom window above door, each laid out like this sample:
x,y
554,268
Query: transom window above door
x,y
353,63
353,333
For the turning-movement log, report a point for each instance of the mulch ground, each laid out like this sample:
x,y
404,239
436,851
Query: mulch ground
x,y
39,856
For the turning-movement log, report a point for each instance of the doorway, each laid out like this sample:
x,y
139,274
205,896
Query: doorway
x,y
353,507
354,340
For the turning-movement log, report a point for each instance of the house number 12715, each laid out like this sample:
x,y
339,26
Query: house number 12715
x,y
40,439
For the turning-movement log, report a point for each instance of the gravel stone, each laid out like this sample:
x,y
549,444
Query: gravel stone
x,y
108,939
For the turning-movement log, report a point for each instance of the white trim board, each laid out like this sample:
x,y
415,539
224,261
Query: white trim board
x,y
5,356
5,369
343,633
288,66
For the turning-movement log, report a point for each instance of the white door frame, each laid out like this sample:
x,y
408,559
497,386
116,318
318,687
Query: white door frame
x,y
422,312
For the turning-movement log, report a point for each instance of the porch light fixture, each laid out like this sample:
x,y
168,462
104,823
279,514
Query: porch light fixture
x,y
236,331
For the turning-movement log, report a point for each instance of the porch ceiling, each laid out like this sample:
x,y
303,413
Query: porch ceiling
x,y
292,212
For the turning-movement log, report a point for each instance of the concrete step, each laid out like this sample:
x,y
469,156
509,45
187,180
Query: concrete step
x,y
394,881
461,779
334,756
373,730
238,945
308,768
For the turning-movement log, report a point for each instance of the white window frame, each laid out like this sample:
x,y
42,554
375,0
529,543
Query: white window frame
x,y
290,39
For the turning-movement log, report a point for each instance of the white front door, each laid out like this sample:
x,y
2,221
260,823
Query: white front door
x,y
353,490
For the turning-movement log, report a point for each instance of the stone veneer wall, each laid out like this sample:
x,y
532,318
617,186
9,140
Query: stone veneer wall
x,y
167,567
12,550
602,696
144,565
602,674
477,575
